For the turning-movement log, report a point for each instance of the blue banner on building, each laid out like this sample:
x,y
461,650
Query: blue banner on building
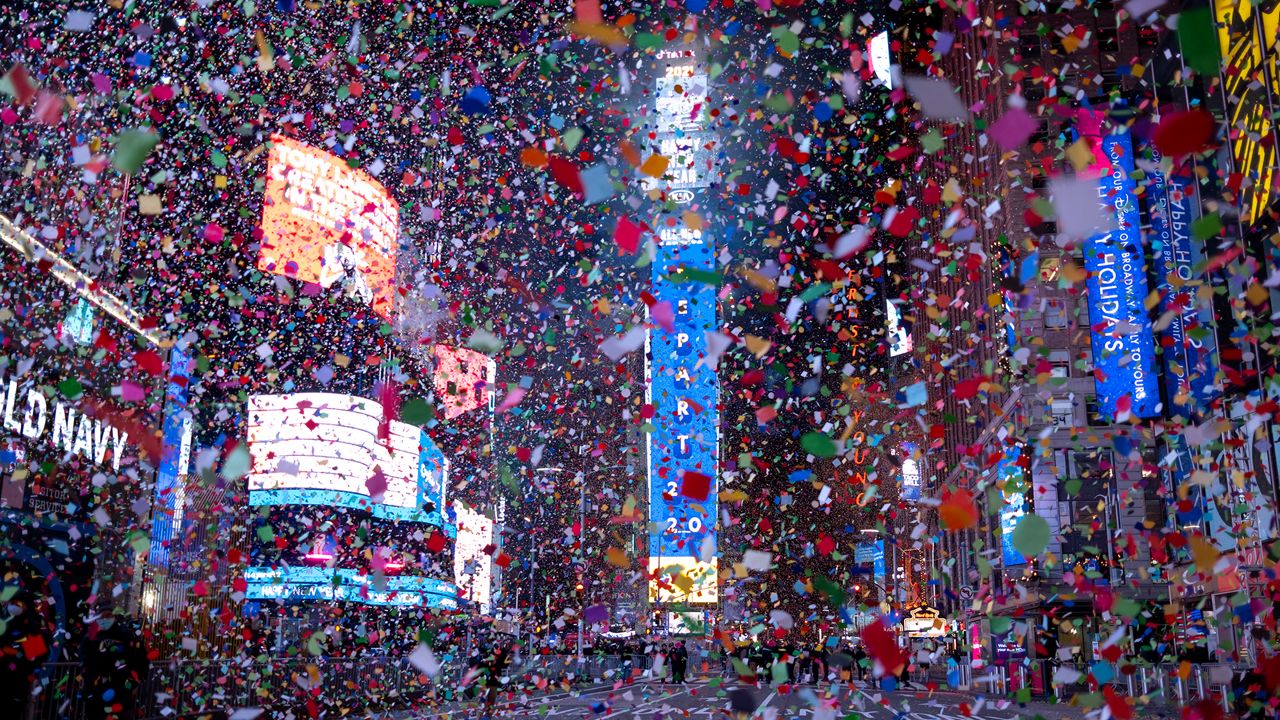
x,y
684,393
1123,348
174,455
1190,365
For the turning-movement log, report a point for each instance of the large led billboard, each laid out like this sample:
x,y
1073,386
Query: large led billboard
x,y
1121,335
463,380
472,566
683,388
1244,43
328,223
1014,493
1188,347
878,55
344,585
324,449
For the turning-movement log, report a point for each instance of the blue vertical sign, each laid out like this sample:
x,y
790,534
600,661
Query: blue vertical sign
x,y
684,392
433,474
1123,348
1009,474
175,433
1189,363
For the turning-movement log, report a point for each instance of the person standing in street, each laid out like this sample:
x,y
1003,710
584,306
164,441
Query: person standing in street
x,y
679,663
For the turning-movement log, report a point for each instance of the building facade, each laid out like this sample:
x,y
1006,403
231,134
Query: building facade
x,y
1137,425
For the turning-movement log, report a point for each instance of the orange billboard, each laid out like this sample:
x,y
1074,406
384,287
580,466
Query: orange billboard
x,y
327,223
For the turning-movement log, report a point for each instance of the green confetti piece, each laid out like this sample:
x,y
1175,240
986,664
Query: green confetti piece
x,y
484,341
1000,625
1031,536
132,149
688,275
1199,41
70,388
265,534
237,463
648,41
417,411
932,141
572,137
788,42
819,444
834,592
1208,226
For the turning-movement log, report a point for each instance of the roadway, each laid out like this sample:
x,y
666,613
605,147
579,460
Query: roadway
x,y
705,699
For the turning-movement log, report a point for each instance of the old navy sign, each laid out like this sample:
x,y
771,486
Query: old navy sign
x,y
1123,348
1190,369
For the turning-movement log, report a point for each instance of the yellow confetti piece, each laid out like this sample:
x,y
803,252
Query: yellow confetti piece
x,y
1080,156
758,346
655,166
617,557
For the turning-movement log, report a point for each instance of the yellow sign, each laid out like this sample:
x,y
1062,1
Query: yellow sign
x,y
1247,77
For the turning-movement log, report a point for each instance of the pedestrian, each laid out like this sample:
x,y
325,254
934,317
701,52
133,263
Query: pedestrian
x,y
679,663
859,660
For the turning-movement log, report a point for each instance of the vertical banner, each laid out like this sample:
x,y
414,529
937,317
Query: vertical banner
x,y
174,456
1121,336
1187,338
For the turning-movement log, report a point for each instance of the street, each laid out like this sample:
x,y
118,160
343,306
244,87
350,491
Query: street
x,y
725,698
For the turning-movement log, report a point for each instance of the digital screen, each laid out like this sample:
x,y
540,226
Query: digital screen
x,y
870,555
687,623
683,389
899,334
325,222
324,449
1253,79
878,54
174,457
683,580
344,585
1123,347
1014,495
1190,367
463,380
472,566
910,479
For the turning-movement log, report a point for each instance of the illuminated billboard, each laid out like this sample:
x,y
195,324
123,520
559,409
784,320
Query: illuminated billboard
x,y
325,222
345,585
683,389
1121,336
472,566
1244,43
899,333
463,380
878,55
323,449
1014,492
1188,350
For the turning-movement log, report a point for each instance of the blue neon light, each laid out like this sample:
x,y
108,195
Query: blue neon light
x,y
345,585
1123,348
1188,361
177,421
355,501
684,394
1015,503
